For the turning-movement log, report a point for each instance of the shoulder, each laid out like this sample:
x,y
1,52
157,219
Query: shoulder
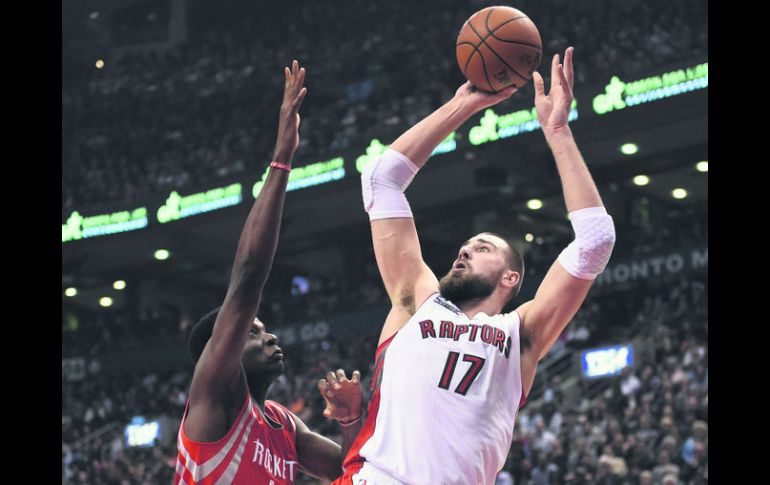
x,y
282,415
435,300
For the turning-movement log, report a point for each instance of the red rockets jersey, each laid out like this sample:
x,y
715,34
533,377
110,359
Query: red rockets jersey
x,y
252,452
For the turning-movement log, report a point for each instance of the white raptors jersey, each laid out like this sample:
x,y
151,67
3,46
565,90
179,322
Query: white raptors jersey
x,y
447,389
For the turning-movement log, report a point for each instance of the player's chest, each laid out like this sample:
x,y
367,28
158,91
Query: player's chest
x,y
270,456
438,332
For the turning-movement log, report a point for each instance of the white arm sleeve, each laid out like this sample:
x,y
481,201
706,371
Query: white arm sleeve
x,y
383,182
588,254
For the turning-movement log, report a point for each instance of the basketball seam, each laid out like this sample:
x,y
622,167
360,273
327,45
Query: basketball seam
x,y
497,55
492,32
467,61
484,66
486,22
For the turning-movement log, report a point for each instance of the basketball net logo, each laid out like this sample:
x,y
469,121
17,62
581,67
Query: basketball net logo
x,y
501,76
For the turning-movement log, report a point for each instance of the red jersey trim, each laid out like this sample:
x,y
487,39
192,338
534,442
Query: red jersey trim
x,y
221,440
190,471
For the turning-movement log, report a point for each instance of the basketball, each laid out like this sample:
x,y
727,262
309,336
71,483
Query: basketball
x,y
498,47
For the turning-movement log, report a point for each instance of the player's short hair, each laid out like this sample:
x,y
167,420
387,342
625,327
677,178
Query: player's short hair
x,y
201,333
514,259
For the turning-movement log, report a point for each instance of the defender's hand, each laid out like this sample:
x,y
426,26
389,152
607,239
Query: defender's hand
x,y
477,100
343,397
288,121
553,109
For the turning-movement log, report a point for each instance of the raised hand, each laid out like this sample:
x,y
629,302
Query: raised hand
x,y
553,108
288,121
477,100
343,396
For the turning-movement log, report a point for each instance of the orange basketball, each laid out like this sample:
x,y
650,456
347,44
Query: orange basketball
x,y
498,47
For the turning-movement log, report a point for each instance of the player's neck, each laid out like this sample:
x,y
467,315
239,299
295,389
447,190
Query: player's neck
x,y
488,305
258,389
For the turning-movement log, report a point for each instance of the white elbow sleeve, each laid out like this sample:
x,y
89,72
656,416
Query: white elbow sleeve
x,y
383,183
588,254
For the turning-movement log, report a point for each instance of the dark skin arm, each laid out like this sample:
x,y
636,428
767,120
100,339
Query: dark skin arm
x,y
218,387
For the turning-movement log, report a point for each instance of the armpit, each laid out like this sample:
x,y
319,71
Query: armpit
x,y
406,300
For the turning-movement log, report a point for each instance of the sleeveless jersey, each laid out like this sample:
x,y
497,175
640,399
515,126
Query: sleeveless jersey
x,y
446,392
252,451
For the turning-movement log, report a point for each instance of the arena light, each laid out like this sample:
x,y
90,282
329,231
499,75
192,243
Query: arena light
x,y
641,180
162,254
71,291
534,204
105,301
629,148
529,237
119,285
99,63
94,15
702,166
679,193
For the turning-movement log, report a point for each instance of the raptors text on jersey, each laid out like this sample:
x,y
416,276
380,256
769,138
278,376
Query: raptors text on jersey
x,y
447,388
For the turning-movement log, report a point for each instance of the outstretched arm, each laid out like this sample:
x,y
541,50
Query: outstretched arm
x,y
217,381
407,278
566,284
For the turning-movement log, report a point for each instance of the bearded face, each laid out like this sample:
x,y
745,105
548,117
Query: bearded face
x,y
462,285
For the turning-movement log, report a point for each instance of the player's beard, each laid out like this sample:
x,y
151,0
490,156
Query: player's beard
x,y
465,287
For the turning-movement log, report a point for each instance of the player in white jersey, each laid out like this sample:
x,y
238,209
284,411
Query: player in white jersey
x,y
451,371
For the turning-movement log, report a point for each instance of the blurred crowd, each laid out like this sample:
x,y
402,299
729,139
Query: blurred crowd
x,y
647,426
154,121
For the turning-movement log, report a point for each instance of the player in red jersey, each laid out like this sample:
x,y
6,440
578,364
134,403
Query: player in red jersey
x,y
230,433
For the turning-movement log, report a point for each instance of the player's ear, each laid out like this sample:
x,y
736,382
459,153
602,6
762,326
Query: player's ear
x,y
510,278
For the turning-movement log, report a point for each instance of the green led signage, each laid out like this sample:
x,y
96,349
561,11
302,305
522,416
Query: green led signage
x,y
309,175
79,227
374,150
178,207
618,94
492,126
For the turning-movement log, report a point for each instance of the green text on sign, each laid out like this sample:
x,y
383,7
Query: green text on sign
x,y
308,176
492,126
619,95
178,207
79,227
